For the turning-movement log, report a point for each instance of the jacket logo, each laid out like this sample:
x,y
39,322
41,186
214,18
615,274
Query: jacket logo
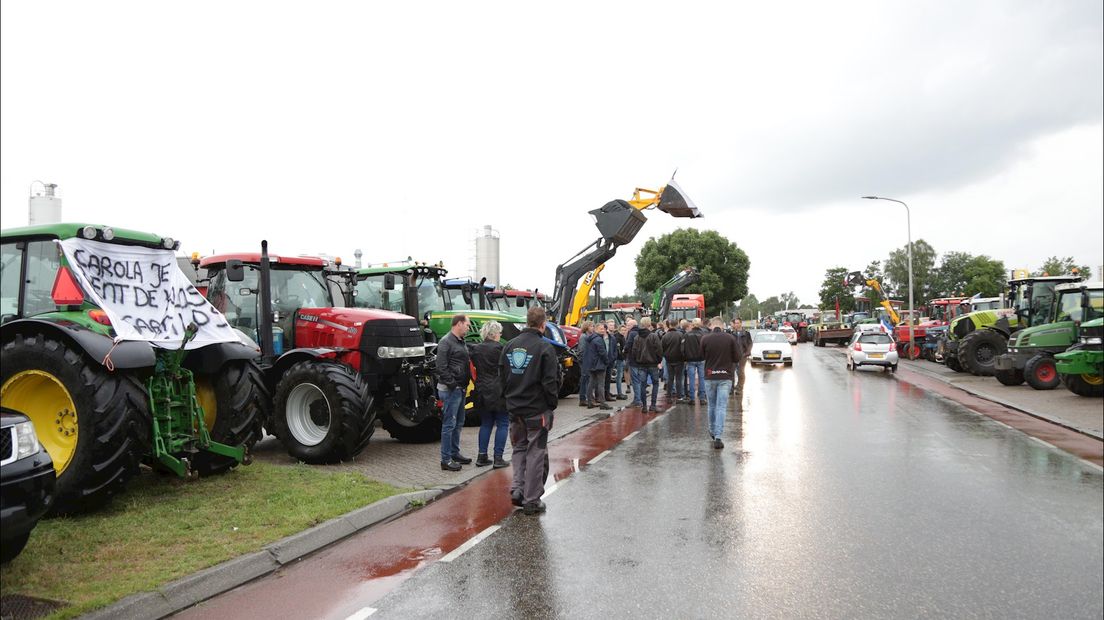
x,y
519,360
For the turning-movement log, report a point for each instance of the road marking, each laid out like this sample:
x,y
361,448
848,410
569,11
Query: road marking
x,y
475,540
362,614
1093,465
600,456
631,435
654,420
574,465
549,490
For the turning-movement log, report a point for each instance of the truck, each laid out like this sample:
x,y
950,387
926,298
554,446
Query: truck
x,y
689,306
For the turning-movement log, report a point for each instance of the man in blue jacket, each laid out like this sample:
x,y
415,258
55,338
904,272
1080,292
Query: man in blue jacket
x,y
597,363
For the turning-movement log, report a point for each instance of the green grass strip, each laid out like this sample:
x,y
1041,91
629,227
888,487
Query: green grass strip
x,y
162,529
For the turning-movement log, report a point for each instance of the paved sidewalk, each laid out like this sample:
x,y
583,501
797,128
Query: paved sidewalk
x,y
1085,415
417,466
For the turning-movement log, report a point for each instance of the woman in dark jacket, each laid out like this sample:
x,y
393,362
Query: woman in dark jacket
x,y
487,359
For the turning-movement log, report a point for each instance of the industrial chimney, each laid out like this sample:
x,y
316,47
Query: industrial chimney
x,y
486,256
45,206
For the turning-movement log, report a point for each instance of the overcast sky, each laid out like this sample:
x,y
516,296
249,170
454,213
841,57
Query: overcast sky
x,y
400,128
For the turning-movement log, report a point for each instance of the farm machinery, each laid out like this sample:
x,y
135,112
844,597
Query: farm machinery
x,y
1081,367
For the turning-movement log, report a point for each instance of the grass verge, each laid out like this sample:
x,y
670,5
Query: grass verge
x,y
161,529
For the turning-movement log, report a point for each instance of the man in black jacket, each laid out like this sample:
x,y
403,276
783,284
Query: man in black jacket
x,y
646,355
695,362
531,387
742,336
674,362
453,376
721,352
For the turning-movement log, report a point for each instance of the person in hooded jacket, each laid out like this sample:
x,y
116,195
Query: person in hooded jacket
x,y
597,348
487,359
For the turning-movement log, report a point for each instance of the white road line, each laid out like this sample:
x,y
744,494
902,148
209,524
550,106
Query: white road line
x,y
1093,465
473,541
631,435
654,420
600,456
549,490
575,464
362,614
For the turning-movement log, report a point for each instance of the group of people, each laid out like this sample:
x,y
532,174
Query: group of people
x,y
517,390
517,384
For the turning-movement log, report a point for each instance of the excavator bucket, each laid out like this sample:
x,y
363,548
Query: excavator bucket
x,y
674,201
618,221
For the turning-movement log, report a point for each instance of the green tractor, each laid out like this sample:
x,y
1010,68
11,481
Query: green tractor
x,y
118,360
1081,367
975,340
1031,350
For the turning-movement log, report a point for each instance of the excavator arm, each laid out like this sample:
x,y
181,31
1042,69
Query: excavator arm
x,y
618,221
661,299
582,296
856,278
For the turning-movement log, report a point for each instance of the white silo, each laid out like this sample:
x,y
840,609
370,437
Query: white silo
x,y
486,255
45,205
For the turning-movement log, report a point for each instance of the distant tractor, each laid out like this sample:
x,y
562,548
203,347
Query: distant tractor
x,y
1081,367
1031,350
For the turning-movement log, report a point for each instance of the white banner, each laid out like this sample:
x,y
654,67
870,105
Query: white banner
x,y
145,294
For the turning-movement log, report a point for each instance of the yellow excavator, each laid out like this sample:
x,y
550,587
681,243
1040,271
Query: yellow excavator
x,y
618,221
856,278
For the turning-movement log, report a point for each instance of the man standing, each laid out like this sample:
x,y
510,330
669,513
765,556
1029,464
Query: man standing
x,y
598,356
531,386
695,362
721,353
673,361
743,337
453,375
630,339
613,354
647,351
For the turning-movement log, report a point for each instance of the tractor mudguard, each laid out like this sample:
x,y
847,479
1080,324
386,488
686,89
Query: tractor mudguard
x,y
212,357
1003,326
295,356
126,354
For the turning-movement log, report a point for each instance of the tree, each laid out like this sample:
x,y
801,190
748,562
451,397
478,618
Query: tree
x,y
923,271
723,266
1061,266
771,305
833,288
950,278
873,271
748,308
789,300
984,276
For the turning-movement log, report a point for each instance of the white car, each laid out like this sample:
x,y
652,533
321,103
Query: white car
x,y
769,347
872,349
790,333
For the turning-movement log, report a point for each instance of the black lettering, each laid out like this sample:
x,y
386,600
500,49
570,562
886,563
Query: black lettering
x,y
200,318
144,298
159,271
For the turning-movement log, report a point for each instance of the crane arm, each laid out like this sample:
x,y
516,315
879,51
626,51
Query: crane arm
x,y
661,299
582,296
856,278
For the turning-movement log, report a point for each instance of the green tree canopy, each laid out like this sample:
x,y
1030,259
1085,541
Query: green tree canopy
x,y
789,300
833,287
923,272
984,276
771,305
1061,266
950,278
749,307
723,265
873,271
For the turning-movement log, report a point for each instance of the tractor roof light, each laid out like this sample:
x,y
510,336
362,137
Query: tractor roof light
x,y
108,234
168,243
88,232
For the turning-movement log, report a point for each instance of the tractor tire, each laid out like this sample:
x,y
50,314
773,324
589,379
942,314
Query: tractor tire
x,y
1090,386
97,445
952,363
569,383
323,412
1012,377
13,547
402,429
978,351
1040,373
236,404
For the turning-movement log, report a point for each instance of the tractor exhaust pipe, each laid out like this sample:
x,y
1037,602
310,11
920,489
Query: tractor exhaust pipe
x,y
264,312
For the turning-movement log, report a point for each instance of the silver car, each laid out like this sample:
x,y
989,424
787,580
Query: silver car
x,y
872,349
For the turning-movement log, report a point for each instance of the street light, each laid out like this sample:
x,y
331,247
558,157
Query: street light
x,y
908,222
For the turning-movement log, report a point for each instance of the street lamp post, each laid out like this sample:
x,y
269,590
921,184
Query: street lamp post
x,y
908,223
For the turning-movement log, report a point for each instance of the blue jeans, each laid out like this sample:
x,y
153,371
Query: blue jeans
x,y
716,394
501,423
619,375
641,376
452,421
584,385
695,371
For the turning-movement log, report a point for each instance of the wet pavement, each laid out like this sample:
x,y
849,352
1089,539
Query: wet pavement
x,y
837,495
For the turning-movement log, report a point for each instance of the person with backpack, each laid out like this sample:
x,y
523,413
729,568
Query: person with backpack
x,y
647,353
674,361
722,351
598,361
695,362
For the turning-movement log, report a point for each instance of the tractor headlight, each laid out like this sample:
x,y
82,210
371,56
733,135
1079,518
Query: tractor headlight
x,y
88,232
26,442
1091,340
397,352
108,234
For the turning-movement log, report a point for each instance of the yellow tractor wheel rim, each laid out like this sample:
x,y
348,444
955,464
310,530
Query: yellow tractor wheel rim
x,y
42,397
1092,379
205,394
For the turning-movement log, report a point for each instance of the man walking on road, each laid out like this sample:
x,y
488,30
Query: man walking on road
x,y
721,352
695,362
743,337
674,362
531,387
646,355
453,375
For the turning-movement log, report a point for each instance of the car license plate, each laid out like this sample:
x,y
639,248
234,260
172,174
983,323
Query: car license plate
x,y
773,355
877,356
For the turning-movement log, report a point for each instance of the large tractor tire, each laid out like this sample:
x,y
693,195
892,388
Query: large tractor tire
x,y
1010,377
952,362
569,382
978,351
1091,386
323,412
1040,372
94,424
236,404
406,431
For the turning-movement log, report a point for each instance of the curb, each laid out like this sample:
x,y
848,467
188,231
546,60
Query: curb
x,y
195,588
1035,414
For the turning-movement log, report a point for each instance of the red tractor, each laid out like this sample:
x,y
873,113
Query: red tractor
x,y
330,368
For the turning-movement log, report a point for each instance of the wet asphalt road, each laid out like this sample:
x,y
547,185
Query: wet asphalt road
x,y
838,495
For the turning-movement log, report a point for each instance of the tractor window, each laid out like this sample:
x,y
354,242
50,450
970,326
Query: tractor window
x,y
372,294
1042,300
11,261
293,289
431,298
43,261
1069,306
456,299
237,300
